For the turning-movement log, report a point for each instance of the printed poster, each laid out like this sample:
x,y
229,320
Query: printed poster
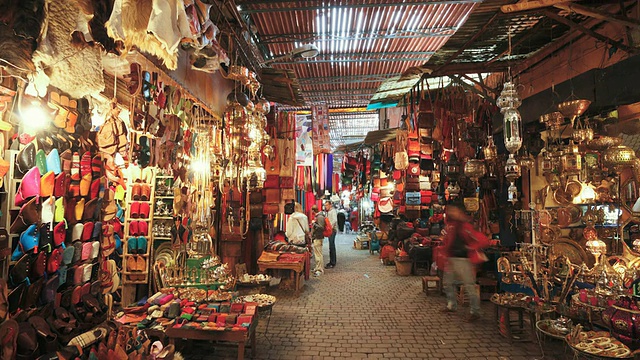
x,y
304,143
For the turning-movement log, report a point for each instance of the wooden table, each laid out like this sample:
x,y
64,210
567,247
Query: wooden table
x,y
239,337
296,267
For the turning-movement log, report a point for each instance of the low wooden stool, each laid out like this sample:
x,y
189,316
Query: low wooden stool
x,y
431,283
488,287
463,299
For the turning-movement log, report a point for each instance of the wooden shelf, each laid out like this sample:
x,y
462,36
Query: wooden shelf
x,y
163,217
164,177
161,238
165,197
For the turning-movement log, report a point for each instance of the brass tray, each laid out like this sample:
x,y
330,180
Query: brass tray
x,y
570,249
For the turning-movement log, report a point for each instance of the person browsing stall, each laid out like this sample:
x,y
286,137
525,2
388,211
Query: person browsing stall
x,y
318,237
297,226
332,215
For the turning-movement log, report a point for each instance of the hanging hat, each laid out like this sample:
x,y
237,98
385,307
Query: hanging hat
x,y
385,205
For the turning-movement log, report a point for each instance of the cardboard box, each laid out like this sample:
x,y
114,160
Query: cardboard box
x,y
360,244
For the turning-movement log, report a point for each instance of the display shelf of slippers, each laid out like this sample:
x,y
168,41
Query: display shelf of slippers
x,y
56,259
138,226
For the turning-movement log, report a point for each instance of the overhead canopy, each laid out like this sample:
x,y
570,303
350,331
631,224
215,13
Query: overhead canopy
x,y
378,136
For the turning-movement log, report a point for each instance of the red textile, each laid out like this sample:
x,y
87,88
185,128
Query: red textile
x,y
294,258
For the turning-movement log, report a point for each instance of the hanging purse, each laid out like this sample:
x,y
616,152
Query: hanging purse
x,y
401,158
286,150
272,163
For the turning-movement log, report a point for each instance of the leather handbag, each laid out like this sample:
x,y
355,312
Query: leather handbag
x,y
255,197
413,198
288,194
414,168
426,196
272,163
286,182
413,183
270,209
272,196
413,147
272,182
286,150
255,210
426,120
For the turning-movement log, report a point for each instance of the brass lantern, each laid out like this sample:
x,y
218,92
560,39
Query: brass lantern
x,y
452,168
490,151
571,159
617,158
474,169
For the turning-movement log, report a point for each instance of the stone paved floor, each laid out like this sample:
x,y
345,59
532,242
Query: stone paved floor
x,y
362,309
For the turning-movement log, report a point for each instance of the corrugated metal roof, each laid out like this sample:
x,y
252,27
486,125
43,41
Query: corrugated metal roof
x,y
358,40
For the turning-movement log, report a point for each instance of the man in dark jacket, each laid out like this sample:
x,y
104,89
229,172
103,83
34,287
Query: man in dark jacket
x,y
318,237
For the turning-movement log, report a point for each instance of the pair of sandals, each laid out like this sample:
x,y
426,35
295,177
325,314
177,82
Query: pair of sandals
x,y
136,268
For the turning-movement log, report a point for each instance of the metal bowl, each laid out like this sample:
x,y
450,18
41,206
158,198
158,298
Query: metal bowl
x,y
573,108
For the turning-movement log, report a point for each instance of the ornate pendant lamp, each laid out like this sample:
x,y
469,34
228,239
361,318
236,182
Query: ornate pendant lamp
x,y
508,103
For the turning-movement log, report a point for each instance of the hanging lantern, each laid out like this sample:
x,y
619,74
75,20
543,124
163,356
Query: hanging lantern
x,y
474,169
527,161
512,135
617,158
490,151
452,168
454,190
508,102
571,159
512,173
636,245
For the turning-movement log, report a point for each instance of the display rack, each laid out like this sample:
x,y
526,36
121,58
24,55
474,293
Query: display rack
x,y
131,279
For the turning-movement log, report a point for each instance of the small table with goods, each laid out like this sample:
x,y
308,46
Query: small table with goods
x,y
294,262
265,307
597,345
221,319
556,329
514,329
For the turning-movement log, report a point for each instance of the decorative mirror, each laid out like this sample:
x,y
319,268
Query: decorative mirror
x,y
630,231
629,196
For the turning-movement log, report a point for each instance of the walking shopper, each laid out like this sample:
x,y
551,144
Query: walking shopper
x,y
461,249
318,237
297,226
342,217
332,215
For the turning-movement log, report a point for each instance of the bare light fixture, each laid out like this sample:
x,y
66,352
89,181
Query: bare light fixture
x,y
306,51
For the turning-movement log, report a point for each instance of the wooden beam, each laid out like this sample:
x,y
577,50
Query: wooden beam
x,y
589,32
599,14
530,5
458,80
482,85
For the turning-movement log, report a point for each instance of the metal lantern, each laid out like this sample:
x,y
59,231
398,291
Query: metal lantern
x,y
452,168
490,151
454,190
636,245
618,157
527,161
512,134
512,173
474,169
572,160
508,102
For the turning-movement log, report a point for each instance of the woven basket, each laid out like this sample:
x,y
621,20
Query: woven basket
x,y
403,266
